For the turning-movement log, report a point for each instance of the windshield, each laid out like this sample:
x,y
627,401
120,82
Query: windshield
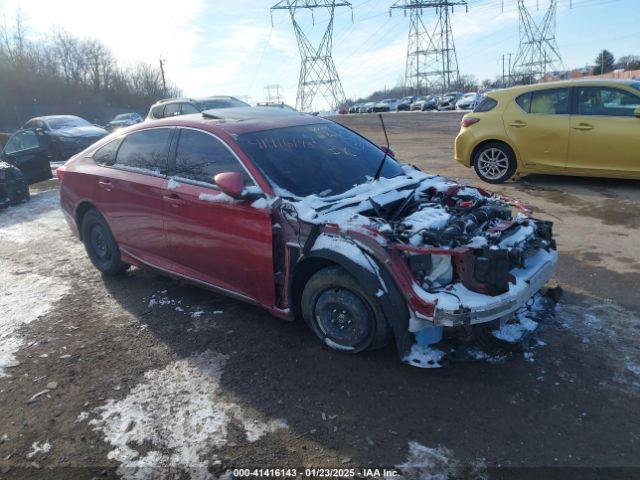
x,y
58,123
220,103
323,159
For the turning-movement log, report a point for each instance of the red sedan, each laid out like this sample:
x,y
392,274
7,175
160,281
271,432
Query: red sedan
x,y
306,218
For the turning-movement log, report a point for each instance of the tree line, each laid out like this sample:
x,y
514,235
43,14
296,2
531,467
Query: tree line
x,y
70,75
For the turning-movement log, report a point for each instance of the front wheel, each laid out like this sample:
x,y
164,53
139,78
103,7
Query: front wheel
x,y
100,245
495,162
342,314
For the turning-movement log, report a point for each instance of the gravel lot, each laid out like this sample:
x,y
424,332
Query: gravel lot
x,y
144,377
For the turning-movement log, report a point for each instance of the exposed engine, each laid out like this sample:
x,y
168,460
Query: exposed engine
x,y
475,237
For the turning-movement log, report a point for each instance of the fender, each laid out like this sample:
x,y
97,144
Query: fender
x,y
391,302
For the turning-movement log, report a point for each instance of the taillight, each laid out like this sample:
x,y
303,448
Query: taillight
x,y
60,172
468,121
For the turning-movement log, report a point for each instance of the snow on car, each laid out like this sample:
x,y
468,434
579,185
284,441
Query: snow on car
x,y
308,219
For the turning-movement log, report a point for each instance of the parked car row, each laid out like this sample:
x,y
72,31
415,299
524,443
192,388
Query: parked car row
x,y
448,101
26,156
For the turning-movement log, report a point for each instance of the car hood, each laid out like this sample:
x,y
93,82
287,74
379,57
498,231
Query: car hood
x,y
422,210
85,131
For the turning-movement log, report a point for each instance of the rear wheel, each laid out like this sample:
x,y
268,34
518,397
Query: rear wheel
x,y
342,314
494,162
100,245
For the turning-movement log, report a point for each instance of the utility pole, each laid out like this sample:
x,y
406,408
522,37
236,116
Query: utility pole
x,y
318,73
432,63
164,81
538,51
506,74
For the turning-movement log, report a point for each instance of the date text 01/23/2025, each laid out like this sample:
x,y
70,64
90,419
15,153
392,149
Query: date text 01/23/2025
x,y
315,472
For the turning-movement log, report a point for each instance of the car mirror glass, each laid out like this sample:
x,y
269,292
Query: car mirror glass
x,y
230,183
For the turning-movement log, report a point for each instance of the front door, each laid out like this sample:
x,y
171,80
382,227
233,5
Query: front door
x,y
538,124
27,151
130,186
212,238
605,134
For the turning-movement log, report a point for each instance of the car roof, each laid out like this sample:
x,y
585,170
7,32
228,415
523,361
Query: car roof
x,y
565,83
239,120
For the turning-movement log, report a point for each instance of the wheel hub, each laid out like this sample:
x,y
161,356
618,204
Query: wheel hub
x,y
343,317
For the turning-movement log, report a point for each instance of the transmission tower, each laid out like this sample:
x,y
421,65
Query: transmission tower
x,y
318,74
538,52
432,63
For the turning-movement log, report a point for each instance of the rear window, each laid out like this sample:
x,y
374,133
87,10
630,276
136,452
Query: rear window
x,y
106,155
486,105
145,151
220,103
157,112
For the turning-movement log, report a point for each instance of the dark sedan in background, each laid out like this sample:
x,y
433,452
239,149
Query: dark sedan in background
x,y
62,136
124,120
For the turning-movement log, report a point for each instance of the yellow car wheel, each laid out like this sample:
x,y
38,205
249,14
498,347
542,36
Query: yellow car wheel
x,y
494,162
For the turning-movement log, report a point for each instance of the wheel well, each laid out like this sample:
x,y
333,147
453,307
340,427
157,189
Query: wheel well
x,y
82,209
301,275
485,142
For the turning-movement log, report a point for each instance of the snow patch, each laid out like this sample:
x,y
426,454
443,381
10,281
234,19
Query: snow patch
x,y
172,184
182,413
261,204
38,448
24,297
217,198
425,463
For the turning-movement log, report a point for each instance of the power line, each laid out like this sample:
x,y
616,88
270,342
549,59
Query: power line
x,y
318,73
431,63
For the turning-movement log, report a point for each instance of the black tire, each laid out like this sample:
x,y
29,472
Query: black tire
x,y
504,166
100,245
342,314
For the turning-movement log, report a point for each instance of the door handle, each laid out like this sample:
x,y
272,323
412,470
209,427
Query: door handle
x,y
106,184
173,200
518,124
583,127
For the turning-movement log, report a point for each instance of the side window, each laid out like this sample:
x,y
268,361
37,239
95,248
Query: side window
x,y
201,157
22,141
158,112
550,102
171,109
145,151
606,101
30,124
486,105
524,101
106,155
187,108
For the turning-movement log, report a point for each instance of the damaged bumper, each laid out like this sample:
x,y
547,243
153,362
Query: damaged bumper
x,y
473,308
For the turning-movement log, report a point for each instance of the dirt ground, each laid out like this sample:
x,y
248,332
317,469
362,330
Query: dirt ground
x,y
143,377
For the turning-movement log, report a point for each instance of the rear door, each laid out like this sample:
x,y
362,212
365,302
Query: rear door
x,y
538,123
130,187
605,134
211,237
27,151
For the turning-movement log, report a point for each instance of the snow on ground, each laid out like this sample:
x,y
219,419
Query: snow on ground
x,y
38,448
181,416
24,295
425,463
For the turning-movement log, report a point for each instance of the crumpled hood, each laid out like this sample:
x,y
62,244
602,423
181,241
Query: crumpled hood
x,y
422,210
84,131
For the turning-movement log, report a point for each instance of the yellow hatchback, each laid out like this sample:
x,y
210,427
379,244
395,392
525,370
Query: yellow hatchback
x,y
582,127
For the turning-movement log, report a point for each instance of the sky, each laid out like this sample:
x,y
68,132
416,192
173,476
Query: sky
x,y
216,47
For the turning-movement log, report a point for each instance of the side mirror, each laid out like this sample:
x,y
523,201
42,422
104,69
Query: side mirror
x,y
231,183
636,112
390,152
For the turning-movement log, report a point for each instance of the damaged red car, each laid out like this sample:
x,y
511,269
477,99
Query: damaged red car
x,y
309,219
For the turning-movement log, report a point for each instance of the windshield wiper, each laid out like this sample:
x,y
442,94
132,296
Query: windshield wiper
x,y
386,152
